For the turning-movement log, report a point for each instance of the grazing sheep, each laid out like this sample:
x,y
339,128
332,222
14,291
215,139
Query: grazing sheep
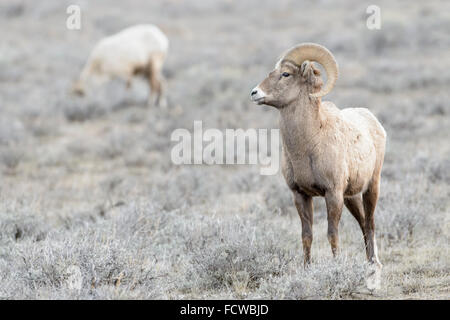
x,y
328,152
137,50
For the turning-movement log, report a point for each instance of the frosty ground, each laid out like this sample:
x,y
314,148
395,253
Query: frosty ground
x,y
91,206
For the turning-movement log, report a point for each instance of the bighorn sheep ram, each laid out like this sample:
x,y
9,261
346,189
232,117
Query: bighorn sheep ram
x,y
137,50
328,152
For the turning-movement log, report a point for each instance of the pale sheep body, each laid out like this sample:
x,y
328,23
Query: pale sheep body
x,y
137,50
337,154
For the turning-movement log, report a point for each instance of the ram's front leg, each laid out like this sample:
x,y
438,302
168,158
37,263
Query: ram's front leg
x,y
334,200
304,206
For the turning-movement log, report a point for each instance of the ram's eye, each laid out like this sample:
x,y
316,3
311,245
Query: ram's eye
x,y
285,74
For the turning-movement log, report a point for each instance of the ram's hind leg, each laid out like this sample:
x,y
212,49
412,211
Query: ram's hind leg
x,y
355,206
370,198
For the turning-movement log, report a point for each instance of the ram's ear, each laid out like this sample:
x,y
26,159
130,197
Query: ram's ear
x,y
312,75
309,69
304,68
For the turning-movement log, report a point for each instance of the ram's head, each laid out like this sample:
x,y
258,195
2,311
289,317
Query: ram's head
x,y
295,75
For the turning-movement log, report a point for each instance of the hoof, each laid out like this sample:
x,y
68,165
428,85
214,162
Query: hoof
x,y
373,276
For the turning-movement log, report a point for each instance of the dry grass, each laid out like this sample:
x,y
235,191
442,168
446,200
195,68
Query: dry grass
x,y
92,208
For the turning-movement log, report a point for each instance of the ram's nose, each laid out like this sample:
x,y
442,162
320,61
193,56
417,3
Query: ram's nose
x,y
257,95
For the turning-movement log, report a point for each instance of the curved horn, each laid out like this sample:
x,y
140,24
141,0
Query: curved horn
x,y
320,54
